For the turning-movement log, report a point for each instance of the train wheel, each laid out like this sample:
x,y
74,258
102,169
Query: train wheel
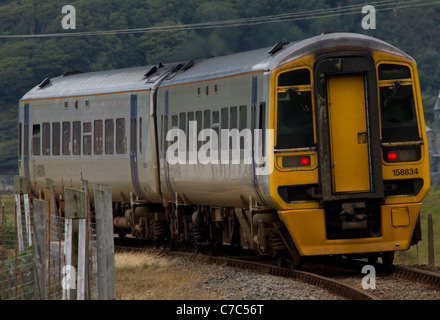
x,y
388,258
373,257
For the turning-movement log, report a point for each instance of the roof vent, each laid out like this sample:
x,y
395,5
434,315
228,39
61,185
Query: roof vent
x,y
150,72
188,65
278,46
70,73
44,83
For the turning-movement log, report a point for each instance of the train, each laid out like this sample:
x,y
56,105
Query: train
x,y
310,148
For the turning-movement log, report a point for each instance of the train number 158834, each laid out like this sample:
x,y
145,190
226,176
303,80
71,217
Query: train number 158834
x,y
405,172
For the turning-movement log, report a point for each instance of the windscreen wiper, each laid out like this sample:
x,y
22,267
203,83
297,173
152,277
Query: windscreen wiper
x,y
396,87
304,106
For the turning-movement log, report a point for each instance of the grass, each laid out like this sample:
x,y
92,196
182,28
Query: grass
x,y
150,276
7,199
418,254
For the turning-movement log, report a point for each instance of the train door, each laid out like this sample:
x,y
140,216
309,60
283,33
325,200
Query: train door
x,y
349,146
134,146
26,143
348,133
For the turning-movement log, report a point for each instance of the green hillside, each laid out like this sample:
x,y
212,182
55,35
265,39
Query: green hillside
x,y
25,62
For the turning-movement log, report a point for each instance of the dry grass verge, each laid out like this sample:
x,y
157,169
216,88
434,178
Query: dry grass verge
x,y
150,276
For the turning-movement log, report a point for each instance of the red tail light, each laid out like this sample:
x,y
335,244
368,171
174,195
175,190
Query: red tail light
x,y
305,161
392,155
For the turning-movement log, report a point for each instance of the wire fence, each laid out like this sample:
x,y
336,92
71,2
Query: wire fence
x,y
16,264
17,267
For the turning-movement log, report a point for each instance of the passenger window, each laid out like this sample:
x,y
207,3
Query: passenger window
x,y
140,135
36,139
243,117
182,123
225,120
46,139
189,144
76,150
224,124
87,138
216,126
398,114
97,129
199,119
20,137
243,124
234,118
294,120
174,121
120,136
66,138
109,136
56,141
207,119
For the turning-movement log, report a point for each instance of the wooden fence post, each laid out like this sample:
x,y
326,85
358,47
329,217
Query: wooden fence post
x,y
20,188
431,251
76,210
105,244
39,256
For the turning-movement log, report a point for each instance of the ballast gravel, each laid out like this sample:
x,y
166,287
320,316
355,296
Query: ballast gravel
x,y
228,283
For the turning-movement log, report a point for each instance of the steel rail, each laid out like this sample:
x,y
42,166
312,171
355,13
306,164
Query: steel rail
x,y
333,286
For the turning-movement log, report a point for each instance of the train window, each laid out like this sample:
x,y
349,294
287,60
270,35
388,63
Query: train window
x,y
66,138
224,124
393,71
56,141
140,134
215,117
182,123
120,136
216,126
199,119
233,119
225,114
398,114
87,138
294,120
242,123
36,139
243,117
97,138
189,145
46,139
76,138
294,78
207,119
174,121
20,136
109,136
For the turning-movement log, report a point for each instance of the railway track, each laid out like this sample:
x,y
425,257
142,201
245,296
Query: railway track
x,y
341,277
394,282
333,286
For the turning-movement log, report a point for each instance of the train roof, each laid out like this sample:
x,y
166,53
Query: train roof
x,y
142,78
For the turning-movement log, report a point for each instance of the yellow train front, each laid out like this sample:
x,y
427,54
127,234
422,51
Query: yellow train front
x,y
350,150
